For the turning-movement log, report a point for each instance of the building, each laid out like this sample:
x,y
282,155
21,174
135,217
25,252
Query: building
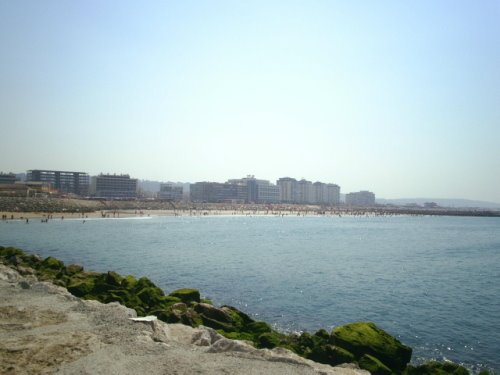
x,y
268,193
112,186
360,198
62,181
7,178
170,192
288,189
210,192
257,191
243,190
320,193
23,189
333,194
306,192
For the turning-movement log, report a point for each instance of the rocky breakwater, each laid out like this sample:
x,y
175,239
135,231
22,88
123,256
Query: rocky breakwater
x,y
362,344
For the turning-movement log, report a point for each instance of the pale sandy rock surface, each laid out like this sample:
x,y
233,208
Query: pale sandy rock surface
x,y
46,330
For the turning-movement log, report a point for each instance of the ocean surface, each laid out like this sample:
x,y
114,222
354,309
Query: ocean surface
x,y
433,282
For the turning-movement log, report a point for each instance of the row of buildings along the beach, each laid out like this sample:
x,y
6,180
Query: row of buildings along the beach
x,y
252,190
122,186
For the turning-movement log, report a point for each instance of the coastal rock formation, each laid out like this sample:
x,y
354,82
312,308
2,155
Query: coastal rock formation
x,y
44,330
221,329
372,345
438,368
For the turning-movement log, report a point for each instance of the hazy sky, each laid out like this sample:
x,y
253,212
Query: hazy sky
x,y
398,97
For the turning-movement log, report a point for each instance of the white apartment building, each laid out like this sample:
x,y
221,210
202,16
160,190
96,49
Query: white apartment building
x,y
306,192
360,198
332,194
170,192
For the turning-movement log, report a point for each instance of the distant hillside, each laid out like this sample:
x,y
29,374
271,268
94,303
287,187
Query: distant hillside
x,y
456,203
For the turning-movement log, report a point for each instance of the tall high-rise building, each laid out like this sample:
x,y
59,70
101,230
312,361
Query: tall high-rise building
x,y
306,192
258,191
332,194
288,189
320,194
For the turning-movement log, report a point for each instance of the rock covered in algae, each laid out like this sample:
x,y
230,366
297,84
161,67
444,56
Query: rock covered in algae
x,y
186,295
366,338
436,368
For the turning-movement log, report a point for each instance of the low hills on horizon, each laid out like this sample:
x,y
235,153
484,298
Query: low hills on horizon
x,y
441,202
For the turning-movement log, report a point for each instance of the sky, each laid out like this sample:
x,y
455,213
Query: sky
x,y
401,98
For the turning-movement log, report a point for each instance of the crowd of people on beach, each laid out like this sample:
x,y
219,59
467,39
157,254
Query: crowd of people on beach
x,y
46,208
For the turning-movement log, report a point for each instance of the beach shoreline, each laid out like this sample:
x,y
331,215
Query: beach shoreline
x,y
62,208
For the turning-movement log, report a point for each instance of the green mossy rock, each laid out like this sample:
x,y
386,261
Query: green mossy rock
x,y
167,315
269,340
81,288
366,338
167,301
179,306
151,296
73,269
32,260
304,343
191,318
436,368
10,251
330,355
186,295
238,336
217,325
323,334
129,282
112,278
257,328
142,283
239,318
52,263
372,364
212,312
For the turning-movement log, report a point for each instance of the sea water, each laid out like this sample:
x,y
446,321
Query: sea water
x,y
433,282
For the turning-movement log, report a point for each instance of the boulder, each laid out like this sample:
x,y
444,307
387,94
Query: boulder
x,y
151,296
129,282
330,355
186,295
73,269
52,263
112,278
436,368
212,312
238,317
366,338
269,340
372,364
81,287
142,283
